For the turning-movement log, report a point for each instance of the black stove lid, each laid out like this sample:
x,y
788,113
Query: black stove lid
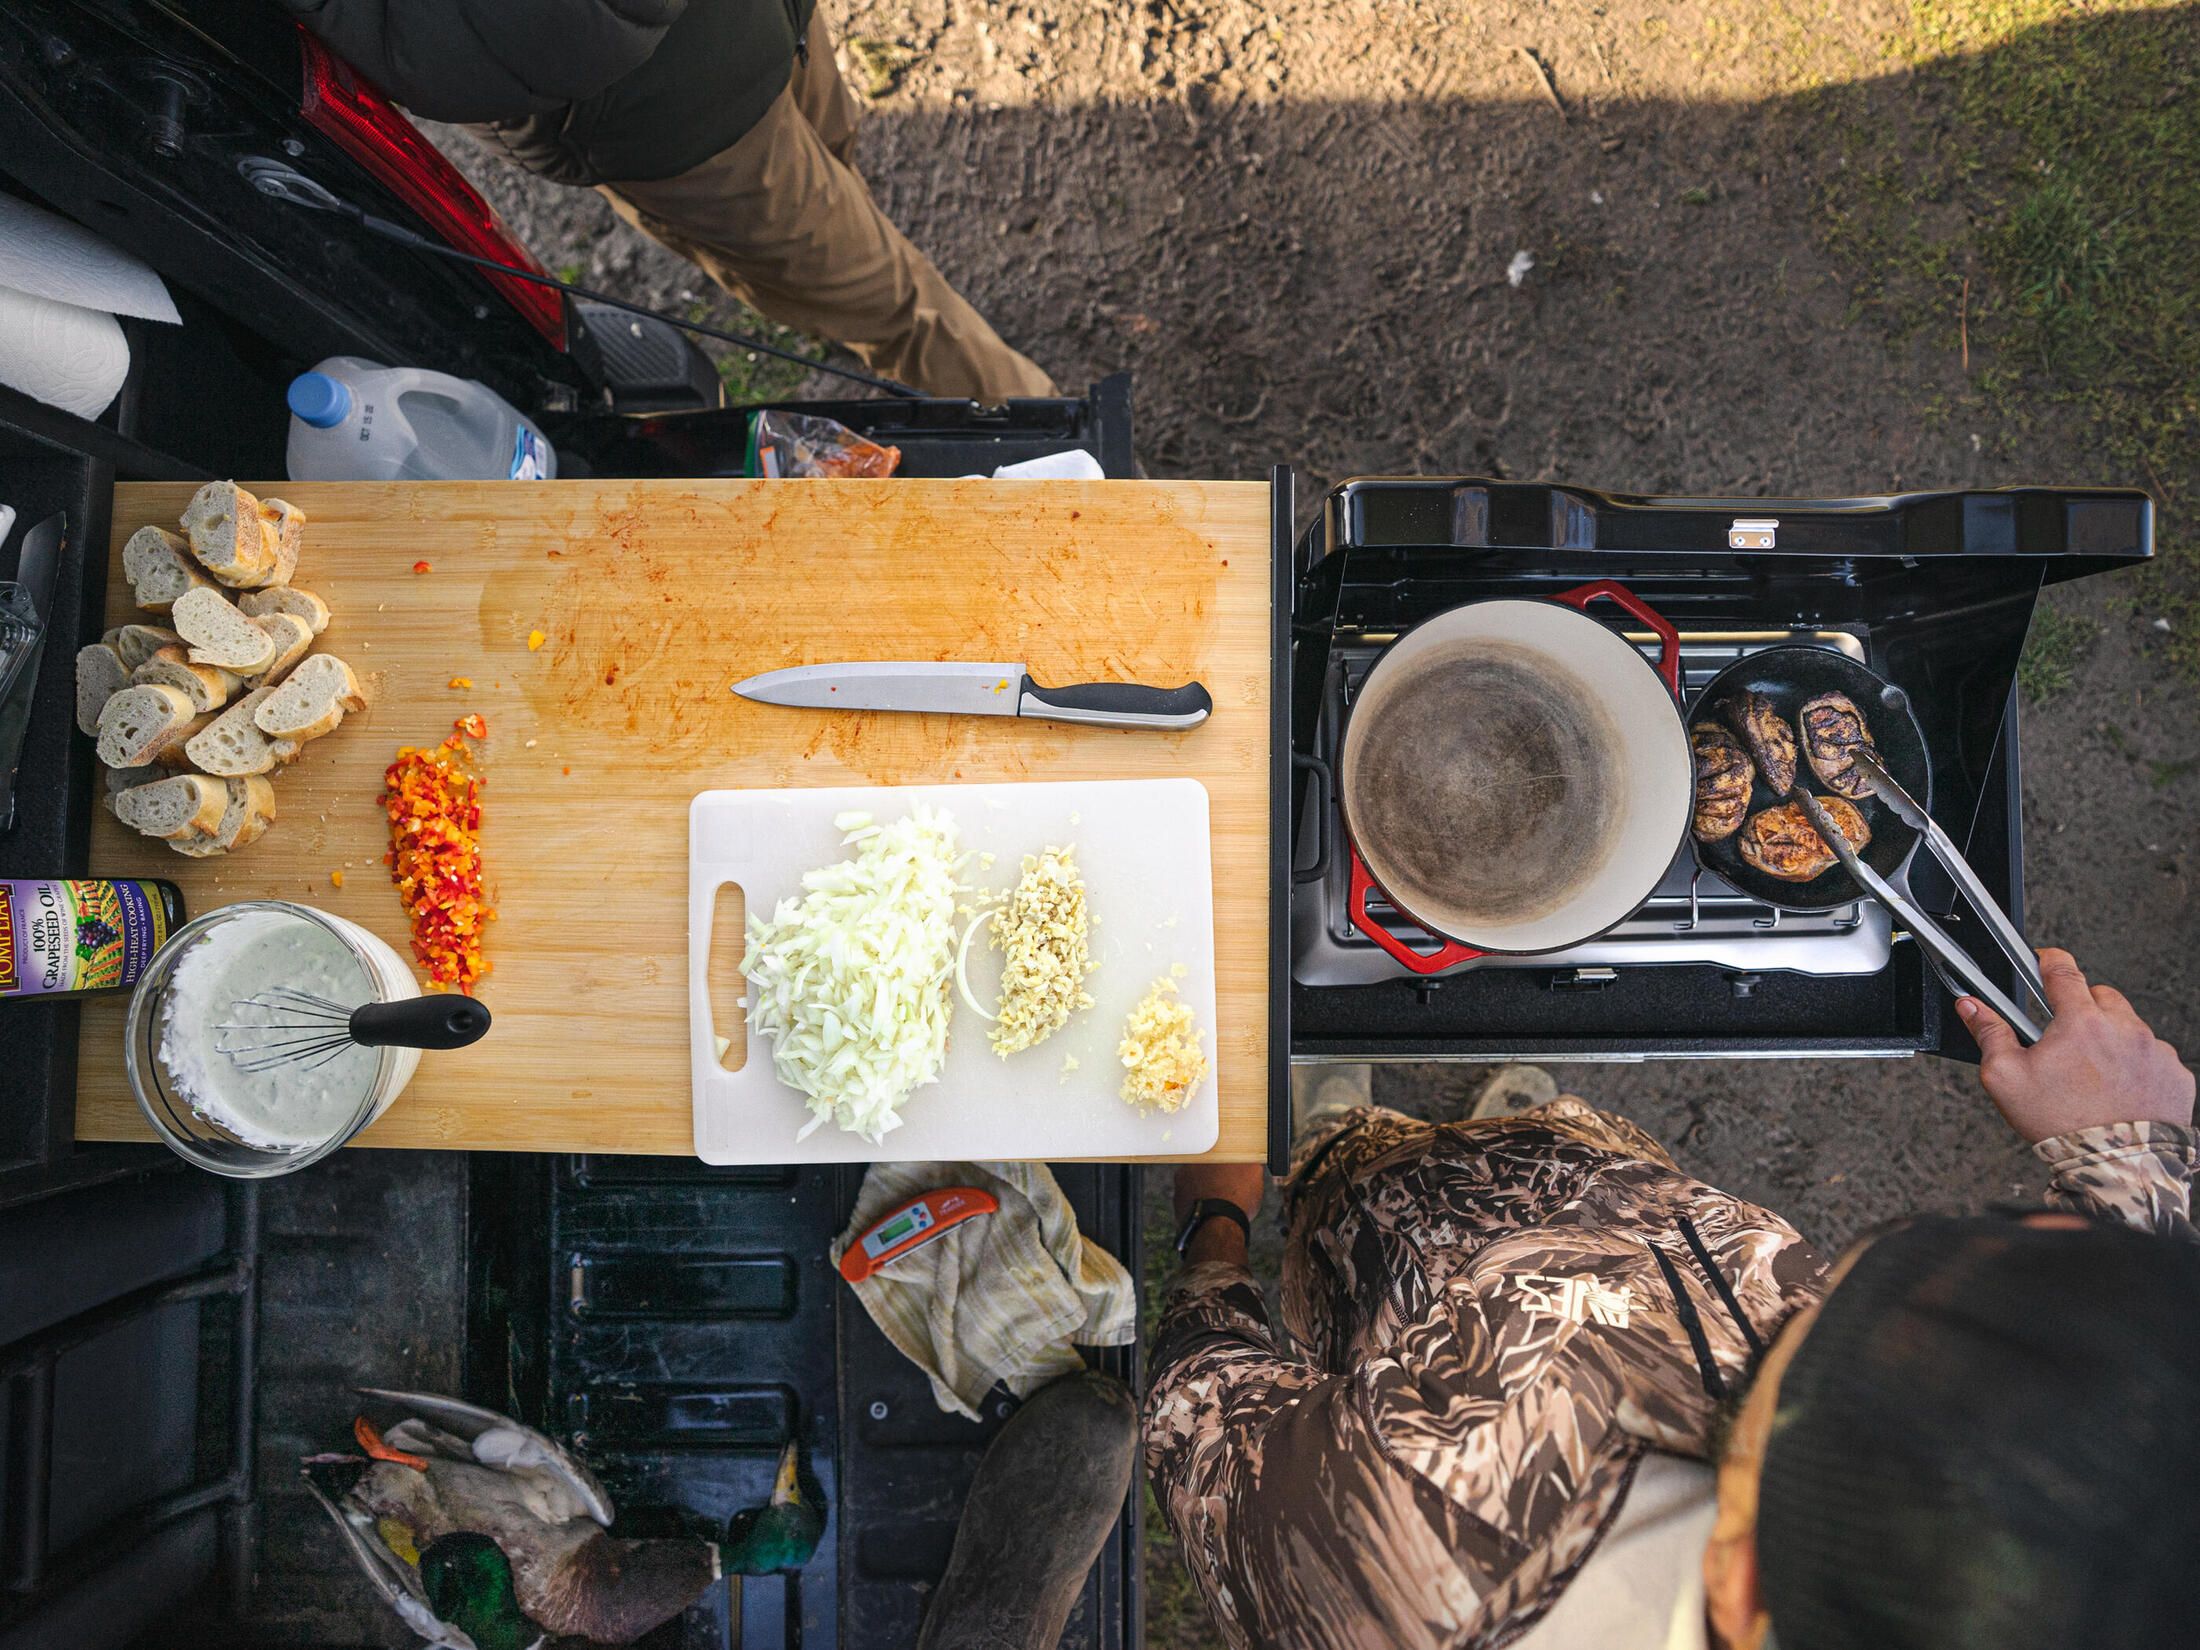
x,y
2068,531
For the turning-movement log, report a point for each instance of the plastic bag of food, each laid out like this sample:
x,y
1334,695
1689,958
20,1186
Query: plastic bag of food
x,y
785,444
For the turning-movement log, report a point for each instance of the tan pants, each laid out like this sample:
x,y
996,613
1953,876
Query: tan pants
x,y
784,222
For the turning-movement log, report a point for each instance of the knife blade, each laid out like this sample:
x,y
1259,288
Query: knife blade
x,y
26,608
976,689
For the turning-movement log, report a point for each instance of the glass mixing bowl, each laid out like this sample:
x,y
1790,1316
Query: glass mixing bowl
x,y
210,1144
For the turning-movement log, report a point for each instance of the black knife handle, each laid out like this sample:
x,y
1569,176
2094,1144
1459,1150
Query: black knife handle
x,y
1117,704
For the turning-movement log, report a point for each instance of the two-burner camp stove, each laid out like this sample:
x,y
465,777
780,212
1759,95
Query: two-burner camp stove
x,y
1933,590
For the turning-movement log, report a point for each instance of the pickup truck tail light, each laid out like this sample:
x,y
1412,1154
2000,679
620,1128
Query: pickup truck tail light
x,y
363,123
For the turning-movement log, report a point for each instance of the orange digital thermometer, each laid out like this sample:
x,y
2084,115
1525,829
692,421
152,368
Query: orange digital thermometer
x,y
911,1226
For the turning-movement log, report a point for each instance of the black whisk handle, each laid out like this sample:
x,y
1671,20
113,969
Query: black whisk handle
x,y
437,1020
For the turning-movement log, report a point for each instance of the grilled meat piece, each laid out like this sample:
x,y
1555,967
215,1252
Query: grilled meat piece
x,y
1765,735
1723,779
1782,842
1833,731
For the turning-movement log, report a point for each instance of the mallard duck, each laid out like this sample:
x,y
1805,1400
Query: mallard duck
x,y
468,1581
781,1535
452,1468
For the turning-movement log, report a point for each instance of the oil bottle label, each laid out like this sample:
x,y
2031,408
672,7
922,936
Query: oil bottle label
x,y
76,936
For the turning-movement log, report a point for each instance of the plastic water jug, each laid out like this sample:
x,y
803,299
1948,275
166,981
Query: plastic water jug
x,y
356,420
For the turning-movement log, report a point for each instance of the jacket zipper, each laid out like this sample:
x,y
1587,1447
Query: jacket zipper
x,y
801,40
1719,1285
1714,1383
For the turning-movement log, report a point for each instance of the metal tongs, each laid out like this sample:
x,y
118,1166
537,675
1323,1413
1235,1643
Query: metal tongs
x,y
1950,961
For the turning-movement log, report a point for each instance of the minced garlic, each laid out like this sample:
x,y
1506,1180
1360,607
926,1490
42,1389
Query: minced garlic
x,y
1043,931
1160,1051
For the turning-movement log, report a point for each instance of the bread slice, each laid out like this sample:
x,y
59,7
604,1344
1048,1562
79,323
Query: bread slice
x,y
289,523
250,809
292,637
136,643
186,805
208,687
230,533
99,677
159,567
316,698
233,746
302,604
141,722
220,635
122,779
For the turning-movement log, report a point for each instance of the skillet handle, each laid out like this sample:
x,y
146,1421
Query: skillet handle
x,y
1669,639
1420,962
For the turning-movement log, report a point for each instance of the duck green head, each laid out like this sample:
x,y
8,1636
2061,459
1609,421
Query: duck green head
x,y
468,1581
781,1536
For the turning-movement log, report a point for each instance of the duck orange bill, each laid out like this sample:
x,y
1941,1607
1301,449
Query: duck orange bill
x,y
912,1225
371,1441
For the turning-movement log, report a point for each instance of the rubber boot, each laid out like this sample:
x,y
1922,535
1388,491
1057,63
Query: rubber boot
x,y
1046,1495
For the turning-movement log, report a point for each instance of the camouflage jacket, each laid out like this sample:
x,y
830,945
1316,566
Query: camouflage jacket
x,y
1498,1320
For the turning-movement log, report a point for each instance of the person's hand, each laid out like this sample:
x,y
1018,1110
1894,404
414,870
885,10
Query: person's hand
x,y
2097,1062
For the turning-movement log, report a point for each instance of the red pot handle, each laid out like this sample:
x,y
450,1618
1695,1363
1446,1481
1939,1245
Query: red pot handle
x,y
1669,639
1421,962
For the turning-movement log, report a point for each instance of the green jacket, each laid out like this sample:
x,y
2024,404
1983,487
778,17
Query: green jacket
x,y
582,91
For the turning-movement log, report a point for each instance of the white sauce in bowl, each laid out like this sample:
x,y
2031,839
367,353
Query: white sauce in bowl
x,y
298,1104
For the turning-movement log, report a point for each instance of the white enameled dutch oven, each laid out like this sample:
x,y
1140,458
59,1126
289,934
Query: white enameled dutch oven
x,y
1515,777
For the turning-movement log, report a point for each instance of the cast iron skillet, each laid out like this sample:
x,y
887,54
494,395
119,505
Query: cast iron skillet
x,y
1790,677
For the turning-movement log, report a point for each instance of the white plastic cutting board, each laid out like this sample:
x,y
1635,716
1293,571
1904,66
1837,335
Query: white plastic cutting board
x,y
1143,848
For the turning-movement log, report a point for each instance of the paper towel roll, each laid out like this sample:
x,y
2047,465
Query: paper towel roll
x,y
64,355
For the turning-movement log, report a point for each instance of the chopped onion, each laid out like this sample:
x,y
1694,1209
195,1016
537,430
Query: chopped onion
x,y
851,981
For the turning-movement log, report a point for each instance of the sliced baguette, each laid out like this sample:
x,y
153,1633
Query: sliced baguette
x,y
99,677
123,779
220,635
233,746
208,687
302,604
292,637
317,697
289,523
140,723
231,534
136,643
249,811
159,567
187,805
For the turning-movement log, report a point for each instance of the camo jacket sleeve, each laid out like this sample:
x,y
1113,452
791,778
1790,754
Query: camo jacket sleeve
x,y
1236,1421
2138,1173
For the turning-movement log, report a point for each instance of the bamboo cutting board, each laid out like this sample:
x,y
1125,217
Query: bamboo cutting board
x,y
653,598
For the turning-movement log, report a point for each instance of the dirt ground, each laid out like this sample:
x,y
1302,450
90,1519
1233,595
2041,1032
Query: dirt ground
x,y
1776,249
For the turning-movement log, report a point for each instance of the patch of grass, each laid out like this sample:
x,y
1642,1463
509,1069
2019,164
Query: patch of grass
x,y
2161,775
568,273
751,375
2052,651
2044,211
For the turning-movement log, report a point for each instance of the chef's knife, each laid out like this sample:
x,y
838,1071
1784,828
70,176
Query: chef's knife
x,y
977,690
1950,961
26,608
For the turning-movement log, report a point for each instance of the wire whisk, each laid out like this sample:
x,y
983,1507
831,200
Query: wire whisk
x,y
294,1027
